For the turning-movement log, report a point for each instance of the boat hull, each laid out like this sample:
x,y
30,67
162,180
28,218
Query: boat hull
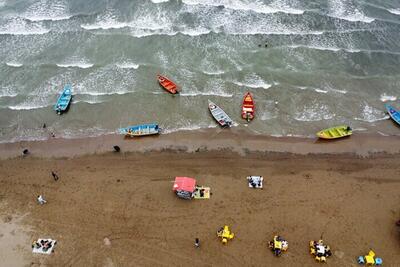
x,y
140,130
248,107
64,100
219,115
335,132
167,84
393,113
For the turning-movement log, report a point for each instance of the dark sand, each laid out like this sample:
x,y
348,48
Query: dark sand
x,y
351,200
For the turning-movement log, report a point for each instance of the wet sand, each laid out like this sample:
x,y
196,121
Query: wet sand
x,y
118,209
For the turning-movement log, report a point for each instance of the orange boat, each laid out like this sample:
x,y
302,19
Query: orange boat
x,y
248,107
167,84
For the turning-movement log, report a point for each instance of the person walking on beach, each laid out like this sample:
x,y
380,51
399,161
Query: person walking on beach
x,y
41,200
55,176
196,242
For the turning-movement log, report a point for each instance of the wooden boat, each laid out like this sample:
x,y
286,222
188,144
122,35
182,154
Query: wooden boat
x,y
219,115
335,132
167,84
63,100
248,107
393,113
140,130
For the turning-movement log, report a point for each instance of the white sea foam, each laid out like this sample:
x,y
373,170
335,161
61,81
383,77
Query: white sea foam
x,y
394,11
127,65
188,128
245,5
14,64
371,114
104,93
253,81
18,26
44,10
320,91
81,65
385,97
159,1
347,11
27,106
7,92
221,94
216,72
315,112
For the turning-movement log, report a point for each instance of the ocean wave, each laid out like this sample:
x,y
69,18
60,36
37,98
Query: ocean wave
x,y
254,85
385,97
14,64
320,91
45,10
347,11
75,65
316,112
371,114
91,102
253,81
127,65
7,92
34,18
216,72
103,93
254,6
188,128
327,48
159,1
221,94
394,11
26,106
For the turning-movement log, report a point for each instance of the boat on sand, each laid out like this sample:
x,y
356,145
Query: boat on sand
x,y
219,115
335,132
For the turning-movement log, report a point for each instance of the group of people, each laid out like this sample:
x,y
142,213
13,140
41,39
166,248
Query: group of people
x,y
43,244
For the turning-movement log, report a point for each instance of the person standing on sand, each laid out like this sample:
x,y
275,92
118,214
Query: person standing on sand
x,y
196,242
55,176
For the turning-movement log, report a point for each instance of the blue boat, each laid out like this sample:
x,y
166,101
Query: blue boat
x,y
63,100
394,113
140,130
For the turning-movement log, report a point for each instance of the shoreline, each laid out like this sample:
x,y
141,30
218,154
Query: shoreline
x,y
238,141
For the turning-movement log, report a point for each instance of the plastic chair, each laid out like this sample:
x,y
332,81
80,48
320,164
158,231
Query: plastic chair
x,y
378,261
361,260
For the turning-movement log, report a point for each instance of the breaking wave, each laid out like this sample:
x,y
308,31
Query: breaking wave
x,y
75,65
385,97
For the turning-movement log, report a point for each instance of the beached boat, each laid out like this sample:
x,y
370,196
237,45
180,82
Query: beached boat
x,y
140,130
219,115
248,107
335,132
167,84
393,113
63,100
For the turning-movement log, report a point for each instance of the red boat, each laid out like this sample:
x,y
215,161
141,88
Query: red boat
x,y
167,84
248,107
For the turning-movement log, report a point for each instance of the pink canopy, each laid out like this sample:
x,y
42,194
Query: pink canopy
x,y
184,184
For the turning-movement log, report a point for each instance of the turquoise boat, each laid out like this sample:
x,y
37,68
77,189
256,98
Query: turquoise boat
x,y
63,100
140,130
393,113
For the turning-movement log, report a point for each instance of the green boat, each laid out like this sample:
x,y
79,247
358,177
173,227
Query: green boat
x,y
335,132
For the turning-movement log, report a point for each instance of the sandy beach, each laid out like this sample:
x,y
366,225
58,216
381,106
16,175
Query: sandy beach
x,y
118,209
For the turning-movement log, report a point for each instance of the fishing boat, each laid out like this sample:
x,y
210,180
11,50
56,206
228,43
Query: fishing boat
x,y
335,132
393,113
140,130
219,115
63,100
167,84
248,107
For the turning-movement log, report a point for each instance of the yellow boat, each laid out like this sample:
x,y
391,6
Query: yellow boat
x,y
335,132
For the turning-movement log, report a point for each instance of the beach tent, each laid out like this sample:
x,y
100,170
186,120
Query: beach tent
x,y
184,187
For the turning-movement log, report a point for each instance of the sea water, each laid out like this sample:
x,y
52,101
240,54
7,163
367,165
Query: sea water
x,y
309,64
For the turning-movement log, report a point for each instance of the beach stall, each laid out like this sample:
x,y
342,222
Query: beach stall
x,y
186,188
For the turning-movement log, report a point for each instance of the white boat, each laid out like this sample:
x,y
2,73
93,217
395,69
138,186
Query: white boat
x,y
219,115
